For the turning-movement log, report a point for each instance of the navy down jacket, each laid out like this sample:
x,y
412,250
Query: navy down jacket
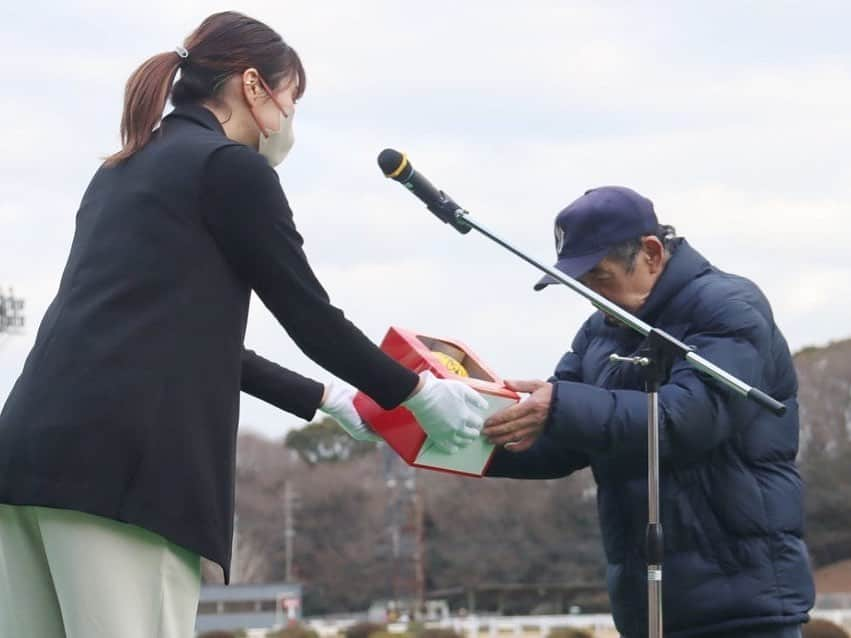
x,y
730,493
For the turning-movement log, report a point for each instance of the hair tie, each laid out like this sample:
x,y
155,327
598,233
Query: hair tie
x,y
181,51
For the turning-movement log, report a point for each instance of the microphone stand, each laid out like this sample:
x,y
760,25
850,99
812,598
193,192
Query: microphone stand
x,y
655,359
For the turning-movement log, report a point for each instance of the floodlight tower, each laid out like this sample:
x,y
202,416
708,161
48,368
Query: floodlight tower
x,y
11,313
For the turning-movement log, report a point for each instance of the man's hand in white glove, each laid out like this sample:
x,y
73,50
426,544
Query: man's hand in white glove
x,y
338,403
449,411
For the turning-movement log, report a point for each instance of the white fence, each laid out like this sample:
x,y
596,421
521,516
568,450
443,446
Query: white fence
x,y
520,626
841,617
491,626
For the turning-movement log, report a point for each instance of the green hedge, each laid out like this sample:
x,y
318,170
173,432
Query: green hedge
x,y
570,632
293,631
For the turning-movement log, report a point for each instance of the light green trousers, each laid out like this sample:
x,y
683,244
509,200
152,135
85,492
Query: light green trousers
x,y
65,574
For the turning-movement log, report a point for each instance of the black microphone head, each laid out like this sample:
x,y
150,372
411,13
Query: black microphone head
x,y
392,162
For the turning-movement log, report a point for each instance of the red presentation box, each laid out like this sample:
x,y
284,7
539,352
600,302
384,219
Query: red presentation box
x,y
399,427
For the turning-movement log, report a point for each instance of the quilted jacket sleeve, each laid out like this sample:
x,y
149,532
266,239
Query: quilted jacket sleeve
x,y
696,413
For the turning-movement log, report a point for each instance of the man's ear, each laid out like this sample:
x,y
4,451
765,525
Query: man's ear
x,y
653,250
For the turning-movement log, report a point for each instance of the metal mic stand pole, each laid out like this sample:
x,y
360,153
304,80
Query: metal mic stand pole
x,y
655,361
657,357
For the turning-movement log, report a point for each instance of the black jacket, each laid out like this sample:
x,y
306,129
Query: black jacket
x,y
730,493
127,406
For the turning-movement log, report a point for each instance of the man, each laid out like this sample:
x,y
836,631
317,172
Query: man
x,y
735,563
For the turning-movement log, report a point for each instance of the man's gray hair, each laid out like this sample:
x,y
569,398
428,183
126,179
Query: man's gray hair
x,y
626,252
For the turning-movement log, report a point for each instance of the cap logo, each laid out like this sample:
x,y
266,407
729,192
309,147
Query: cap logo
x,y
559,233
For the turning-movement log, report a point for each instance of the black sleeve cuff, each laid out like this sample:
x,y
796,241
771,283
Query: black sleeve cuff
x,y
285,389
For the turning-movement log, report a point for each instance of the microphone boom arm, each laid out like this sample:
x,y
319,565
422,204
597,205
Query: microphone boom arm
x,y
450,213
678,348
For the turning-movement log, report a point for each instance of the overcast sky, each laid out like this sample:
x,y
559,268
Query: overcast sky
x,y
733,117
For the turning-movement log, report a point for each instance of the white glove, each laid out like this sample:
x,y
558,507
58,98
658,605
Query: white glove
x,y
339,404
449,411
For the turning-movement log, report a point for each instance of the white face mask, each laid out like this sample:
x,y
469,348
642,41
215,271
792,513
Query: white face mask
x,y
278,143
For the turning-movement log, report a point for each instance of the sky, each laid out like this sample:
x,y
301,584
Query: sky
x,y
733,117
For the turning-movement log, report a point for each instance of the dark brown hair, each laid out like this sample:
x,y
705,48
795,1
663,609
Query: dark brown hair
x,y
225,43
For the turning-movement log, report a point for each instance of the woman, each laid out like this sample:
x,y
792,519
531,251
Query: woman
x,y
117,442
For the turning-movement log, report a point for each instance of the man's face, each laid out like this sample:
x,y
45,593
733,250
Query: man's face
x,y
628,289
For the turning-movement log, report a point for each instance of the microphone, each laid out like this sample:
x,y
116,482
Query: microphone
x,y
395,165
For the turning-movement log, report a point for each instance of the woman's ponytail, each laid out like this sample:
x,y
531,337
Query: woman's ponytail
x,y
224,44
145,97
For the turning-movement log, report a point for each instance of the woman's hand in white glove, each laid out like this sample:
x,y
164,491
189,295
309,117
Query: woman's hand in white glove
x,y
338,403
449,411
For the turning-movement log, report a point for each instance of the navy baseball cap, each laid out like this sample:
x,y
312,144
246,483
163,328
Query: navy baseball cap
x,y
587,229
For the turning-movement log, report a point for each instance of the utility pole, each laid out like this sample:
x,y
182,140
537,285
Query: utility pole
x,y
419,550
234,560
290,501
404,525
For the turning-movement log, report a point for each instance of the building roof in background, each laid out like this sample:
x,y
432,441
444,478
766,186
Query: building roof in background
x,y
270,591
